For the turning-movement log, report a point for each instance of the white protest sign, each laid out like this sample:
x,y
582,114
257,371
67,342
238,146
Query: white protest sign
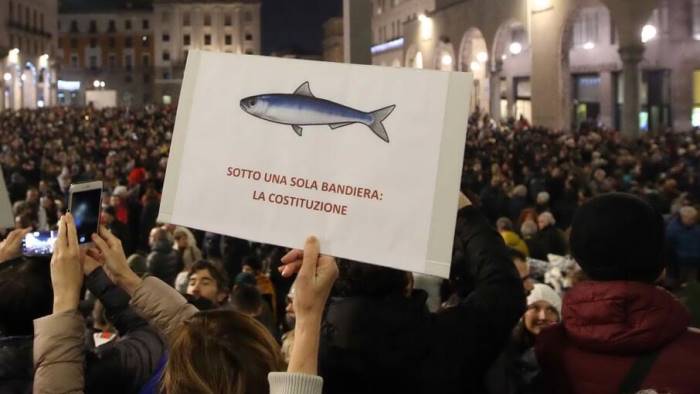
x,y
7,218
366,158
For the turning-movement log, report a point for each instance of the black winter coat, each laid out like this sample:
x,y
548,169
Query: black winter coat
x,y
163,262
396,345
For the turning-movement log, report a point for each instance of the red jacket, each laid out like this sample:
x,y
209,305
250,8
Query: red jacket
x,y
606,327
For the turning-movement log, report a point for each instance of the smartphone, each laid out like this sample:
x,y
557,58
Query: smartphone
x,y
84,204
39,243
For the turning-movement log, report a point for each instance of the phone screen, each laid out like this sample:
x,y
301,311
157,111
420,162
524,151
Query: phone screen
x,y
39,243
85,208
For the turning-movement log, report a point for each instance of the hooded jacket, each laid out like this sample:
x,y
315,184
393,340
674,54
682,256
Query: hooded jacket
x,y
606,327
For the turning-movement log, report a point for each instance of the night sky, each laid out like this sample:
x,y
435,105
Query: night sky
x,y
296,24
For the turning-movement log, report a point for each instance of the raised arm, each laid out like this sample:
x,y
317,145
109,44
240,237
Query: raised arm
x,y
58,338
156,301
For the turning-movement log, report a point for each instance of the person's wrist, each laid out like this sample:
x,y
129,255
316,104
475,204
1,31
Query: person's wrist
x,y
65,301
128,281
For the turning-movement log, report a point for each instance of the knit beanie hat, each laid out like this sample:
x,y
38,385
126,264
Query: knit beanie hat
x,y
544,293
618,236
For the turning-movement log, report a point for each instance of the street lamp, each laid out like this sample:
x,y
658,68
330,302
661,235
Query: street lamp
x,y
482,57
475,66
102,84
446,59
589,45
96,84
426,27
13,55
44,61
515,48
648,33
7,77
541,5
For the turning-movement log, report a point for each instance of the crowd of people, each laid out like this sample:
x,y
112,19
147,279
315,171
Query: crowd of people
x,y
560,242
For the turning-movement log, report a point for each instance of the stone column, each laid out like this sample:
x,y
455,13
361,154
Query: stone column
x,y
631,56
495,90
357,25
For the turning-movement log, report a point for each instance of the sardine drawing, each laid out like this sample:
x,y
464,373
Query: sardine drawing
x,y
302,108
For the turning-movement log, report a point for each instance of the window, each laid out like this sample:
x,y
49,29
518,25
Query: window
x,y
60,43
93,62
166,75
186,40
248,37
166,56
112,60
186,19
207,19
146,60
248,16
74,43
207,39
166,37
127,24
112,42
112,26
129,42
146,78
586,27
93,26
74,26
128,78
145,24
74,60
93,42
227,39
228,20
128,62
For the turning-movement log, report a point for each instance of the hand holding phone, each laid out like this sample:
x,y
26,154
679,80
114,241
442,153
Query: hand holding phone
x,y
38,243
84,205
11,247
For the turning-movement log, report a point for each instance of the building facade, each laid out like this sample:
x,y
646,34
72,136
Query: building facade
x,y
28,47
180,26
631,65
107,48
388,20
333,47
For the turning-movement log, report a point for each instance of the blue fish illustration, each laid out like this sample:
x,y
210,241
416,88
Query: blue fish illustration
x,y
302,108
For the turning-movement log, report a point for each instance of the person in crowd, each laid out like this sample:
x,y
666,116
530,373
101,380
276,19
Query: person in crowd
x,y
620,333
247,300
289,322
549,238
206,281
118,201
119,229
121,366
189,254
253,265
246,362
683,238
163,262
518,202
510,237
523,267
516,370
377,339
